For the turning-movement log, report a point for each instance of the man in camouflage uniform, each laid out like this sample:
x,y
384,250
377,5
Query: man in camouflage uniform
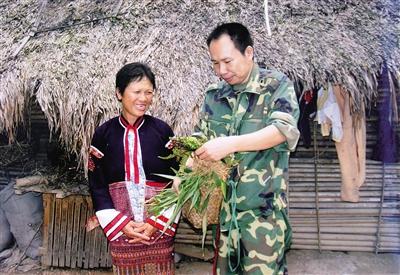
x,y
252,114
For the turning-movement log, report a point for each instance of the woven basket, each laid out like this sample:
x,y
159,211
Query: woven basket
x,y
216,196
212,211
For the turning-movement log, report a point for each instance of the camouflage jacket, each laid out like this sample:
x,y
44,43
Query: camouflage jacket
x,y
268,98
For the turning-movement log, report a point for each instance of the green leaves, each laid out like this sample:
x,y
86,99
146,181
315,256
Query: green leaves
x,y
197,182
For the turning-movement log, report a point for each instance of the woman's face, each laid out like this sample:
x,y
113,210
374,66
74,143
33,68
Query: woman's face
x,y
136,99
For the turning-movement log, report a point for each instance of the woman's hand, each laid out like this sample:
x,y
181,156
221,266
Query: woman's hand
x,y
175,184
131,231
145,229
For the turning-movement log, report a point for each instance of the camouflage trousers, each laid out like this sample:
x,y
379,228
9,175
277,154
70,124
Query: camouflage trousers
x,y
257,245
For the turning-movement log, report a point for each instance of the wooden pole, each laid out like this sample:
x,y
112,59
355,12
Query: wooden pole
x,y
316,183
377,244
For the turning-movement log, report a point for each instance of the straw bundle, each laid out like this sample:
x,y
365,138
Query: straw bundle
x,y
13,98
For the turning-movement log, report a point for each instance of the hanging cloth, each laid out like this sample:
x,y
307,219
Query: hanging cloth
x,y
386,149
308,108
351,148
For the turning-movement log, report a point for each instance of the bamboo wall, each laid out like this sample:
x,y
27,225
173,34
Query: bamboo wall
x,y
66,242
320,220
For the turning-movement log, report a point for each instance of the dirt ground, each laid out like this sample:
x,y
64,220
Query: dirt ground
x,y
300,262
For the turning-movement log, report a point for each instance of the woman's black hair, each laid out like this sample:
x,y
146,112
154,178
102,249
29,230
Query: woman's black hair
x,y
133,72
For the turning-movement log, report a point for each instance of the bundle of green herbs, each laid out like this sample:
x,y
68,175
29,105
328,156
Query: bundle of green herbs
x,y
198,182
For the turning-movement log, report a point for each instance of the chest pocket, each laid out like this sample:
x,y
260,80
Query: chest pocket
x,y
218,128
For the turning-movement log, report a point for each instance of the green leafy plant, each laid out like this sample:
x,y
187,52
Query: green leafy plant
x,y
197,182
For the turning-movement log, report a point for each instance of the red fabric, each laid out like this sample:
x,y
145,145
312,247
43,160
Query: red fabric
x,y
127,159
91,164
135,157
216,248
120,198
159,253
156,184
165,219
132,128
118,229
308,96
160,227
113,222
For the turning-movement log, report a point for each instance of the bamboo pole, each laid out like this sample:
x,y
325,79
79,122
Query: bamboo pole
x,y
351,237
316,184
344,212
377,243
346,230
343,248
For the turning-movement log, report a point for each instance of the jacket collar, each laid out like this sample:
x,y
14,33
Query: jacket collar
x,y
252,85
139,121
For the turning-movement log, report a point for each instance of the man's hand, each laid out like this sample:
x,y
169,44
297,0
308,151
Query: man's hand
x,y
216,149
145,229
131,231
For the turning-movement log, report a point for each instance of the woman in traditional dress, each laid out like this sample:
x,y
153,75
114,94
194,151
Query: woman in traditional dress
x,y
124,158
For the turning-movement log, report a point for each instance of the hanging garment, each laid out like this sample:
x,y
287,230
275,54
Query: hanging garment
x,y
328,114
351,148
386,149
308,107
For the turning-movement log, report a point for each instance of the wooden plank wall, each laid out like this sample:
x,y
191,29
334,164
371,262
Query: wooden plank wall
x,y
65,240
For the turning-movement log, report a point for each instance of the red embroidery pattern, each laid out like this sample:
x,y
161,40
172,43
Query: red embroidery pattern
x,y
156,258
91,164
93,152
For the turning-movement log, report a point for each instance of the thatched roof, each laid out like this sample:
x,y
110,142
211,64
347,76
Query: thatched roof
x,y
74,48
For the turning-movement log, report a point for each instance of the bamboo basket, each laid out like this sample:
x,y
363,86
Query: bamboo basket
x,y
211,213
212,210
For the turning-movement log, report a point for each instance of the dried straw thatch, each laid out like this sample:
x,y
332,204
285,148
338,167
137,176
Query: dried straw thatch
x,y
74,49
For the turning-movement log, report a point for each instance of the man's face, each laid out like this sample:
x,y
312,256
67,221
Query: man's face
x,y
228,62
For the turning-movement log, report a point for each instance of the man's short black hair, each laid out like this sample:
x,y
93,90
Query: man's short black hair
x,y
133,72
239,34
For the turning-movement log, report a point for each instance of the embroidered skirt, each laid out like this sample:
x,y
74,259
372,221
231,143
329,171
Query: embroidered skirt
x,y
156,258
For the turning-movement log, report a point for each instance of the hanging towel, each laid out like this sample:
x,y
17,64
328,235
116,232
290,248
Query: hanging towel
x,y
351,148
